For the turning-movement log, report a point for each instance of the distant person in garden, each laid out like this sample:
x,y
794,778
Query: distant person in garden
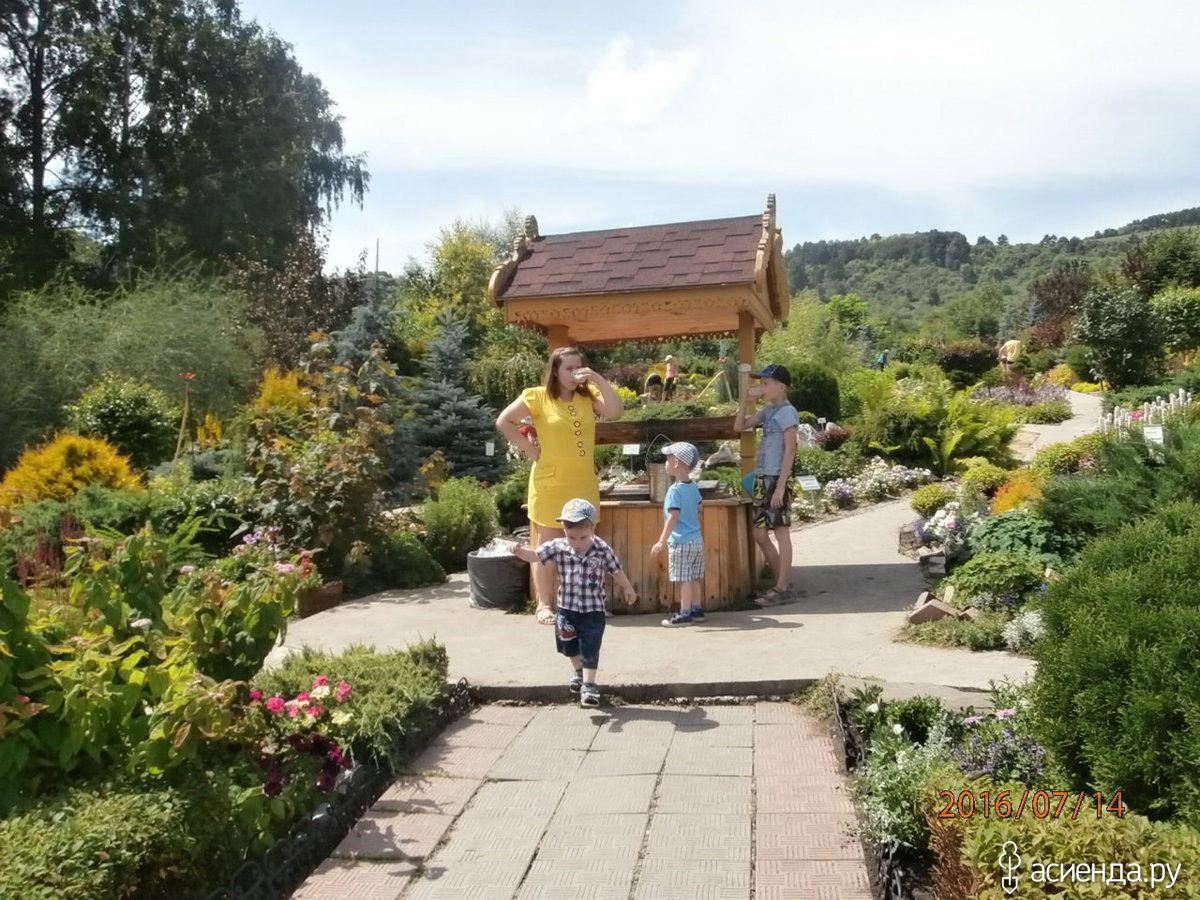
x,y
581,560
881,360
1009,351
653,387
771,494
681,536
563,411
672,373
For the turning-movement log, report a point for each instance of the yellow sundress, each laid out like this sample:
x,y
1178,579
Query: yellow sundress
x,y
566,431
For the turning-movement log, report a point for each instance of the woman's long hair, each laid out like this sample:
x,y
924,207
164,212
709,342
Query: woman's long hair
x,y
551,378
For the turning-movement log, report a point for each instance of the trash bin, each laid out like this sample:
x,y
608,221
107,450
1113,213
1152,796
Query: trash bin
x,y
497,582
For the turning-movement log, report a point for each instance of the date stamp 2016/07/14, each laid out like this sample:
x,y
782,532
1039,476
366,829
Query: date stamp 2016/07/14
x,y
1040,804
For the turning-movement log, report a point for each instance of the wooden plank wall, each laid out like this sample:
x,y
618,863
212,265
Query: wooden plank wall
x,y
632,527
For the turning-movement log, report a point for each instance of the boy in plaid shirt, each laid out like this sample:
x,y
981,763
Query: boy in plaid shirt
x,y
582,560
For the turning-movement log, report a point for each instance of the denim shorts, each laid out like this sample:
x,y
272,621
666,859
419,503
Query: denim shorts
x,y
580,634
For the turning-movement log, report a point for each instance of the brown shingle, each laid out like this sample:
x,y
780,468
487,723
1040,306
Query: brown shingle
x,y
714,251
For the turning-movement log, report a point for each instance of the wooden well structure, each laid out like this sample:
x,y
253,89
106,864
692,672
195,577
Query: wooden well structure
x,y
687,280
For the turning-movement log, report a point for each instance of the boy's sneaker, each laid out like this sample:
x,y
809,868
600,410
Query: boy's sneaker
x,y
697,614
575,684
589,695
676,620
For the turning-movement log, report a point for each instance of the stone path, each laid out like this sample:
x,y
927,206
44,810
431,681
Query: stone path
x,y
664,802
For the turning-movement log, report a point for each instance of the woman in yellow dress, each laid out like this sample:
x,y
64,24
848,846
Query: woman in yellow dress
x,y
564,410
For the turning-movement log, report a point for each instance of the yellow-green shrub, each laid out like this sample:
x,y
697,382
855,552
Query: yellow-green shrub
x,y
1087,387
1023,489
1063,375
281,391
985,477
929,498
59,469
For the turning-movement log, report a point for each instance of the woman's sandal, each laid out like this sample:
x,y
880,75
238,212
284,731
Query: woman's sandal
x,y
545,615
772,597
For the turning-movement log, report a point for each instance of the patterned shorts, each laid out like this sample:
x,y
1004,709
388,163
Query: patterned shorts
x,y
763,515
685,562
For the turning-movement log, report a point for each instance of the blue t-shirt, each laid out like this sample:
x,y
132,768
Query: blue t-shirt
x,y
685,497
774,421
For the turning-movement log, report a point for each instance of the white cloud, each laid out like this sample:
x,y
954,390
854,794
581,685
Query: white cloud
x,y
628,89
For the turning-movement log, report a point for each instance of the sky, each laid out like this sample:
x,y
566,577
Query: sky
x,y
1023,118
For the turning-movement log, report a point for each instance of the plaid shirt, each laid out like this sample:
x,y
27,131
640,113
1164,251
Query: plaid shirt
x,y
580,578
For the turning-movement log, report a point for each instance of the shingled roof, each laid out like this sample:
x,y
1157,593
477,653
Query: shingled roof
x,y
646,282
650,257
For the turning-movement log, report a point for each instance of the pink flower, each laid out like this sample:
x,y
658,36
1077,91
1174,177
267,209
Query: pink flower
x,y
276,705
255,695
293,709
303,697
343,692
286,568
186,570
314,711
1005,713
321,681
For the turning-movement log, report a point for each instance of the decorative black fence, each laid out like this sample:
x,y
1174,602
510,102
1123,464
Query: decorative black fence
x,y
286,863
891,867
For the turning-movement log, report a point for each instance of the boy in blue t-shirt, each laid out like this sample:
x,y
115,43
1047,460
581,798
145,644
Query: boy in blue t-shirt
x,y
772,492
681,534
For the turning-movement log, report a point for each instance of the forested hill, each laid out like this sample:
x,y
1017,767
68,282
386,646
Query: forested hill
x,y
906,277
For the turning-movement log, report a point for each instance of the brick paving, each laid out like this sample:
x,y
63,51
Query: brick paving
x,y
628,802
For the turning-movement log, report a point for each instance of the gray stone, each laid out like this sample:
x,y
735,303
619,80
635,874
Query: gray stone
x,y
909,542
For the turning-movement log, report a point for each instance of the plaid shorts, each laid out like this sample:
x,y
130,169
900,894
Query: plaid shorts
x,y
763,515
685,562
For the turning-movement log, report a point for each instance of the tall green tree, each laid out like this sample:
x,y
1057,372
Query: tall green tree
x,y
164,128
1117,323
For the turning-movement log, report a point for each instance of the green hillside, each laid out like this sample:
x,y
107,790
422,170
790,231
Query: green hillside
x,y
908,279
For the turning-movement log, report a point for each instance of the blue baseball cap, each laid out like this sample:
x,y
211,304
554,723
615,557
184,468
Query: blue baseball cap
x,y
576,511
778,372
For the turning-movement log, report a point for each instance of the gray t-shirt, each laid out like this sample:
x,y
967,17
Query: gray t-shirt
x,y
774,421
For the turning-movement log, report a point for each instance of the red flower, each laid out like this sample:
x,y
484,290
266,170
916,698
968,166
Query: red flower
x,y
188,376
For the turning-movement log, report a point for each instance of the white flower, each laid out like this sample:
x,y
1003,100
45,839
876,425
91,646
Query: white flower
x,y
320,692
901,758
341,716
873,708
897,729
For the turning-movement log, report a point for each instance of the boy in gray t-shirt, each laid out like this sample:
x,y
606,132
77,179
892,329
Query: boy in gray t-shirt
x,y
772,493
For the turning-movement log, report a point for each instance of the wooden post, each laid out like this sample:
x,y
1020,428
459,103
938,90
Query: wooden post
x,y
746,356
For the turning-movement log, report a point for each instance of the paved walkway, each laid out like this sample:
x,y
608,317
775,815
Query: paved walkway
x,y
632,802
640,800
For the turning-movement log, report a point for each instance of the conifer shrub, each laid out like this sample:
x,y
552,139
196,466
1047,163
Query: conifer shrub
x,y
138,419
510,494
814,389
1118,686
60,469
461,518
